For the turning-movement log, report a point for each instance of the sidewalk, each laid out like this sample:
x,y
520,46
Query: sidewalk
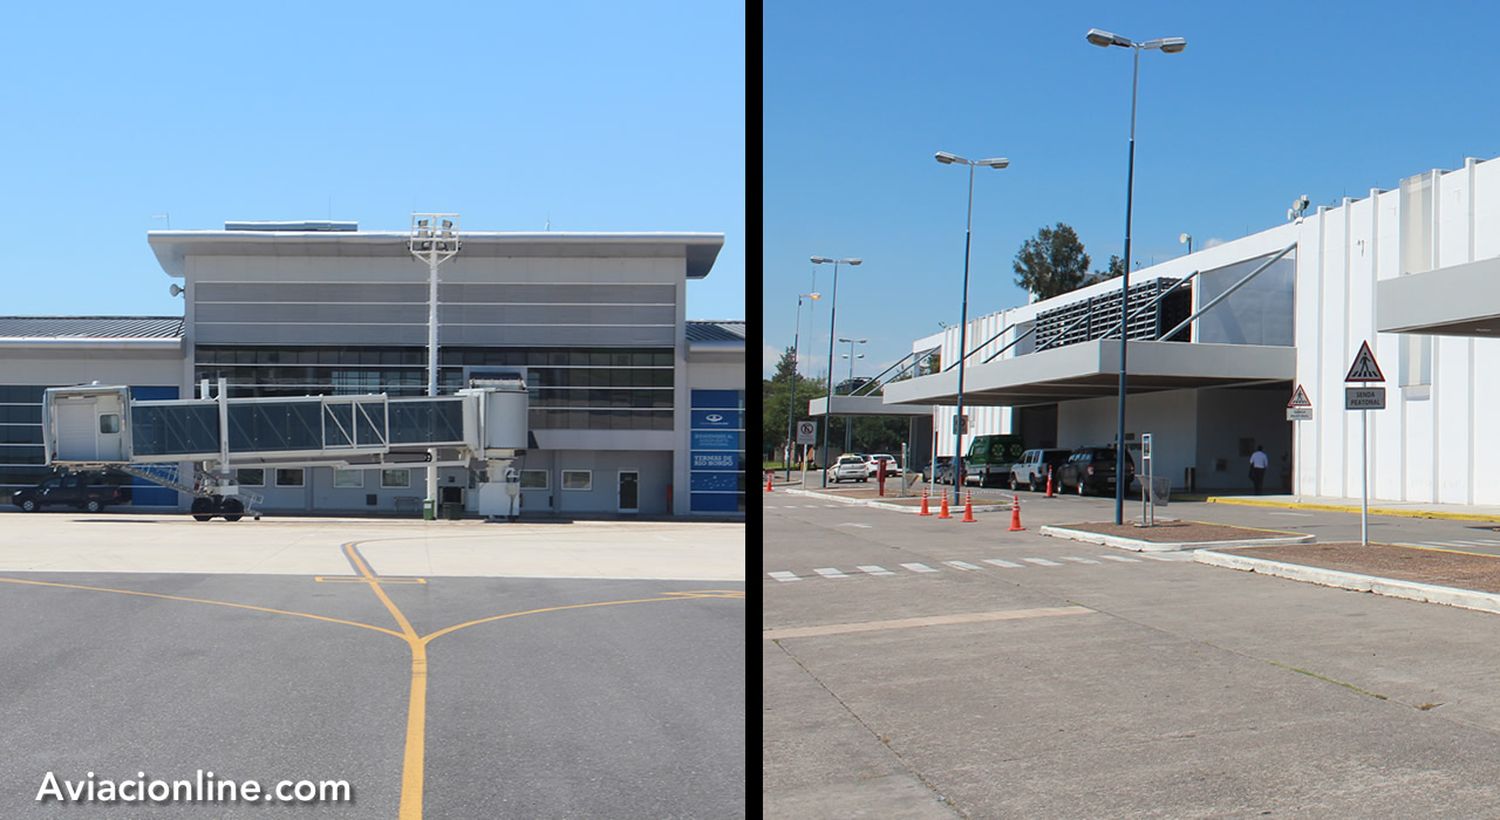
x,y
1403,509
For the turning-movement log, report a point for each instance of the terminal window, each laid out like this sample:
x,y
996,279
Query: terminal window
x,y
577,480
289,478
395,479
534,479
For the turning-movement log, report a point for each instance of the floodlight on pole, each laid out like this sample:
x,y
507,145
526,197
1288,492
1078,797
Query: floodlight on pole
x,y
434,250
833,307
997,163
1186,239
1168,45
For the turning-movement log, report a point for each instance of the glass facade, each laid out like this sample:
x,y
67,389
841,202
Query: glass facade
x,y
717,451
570,388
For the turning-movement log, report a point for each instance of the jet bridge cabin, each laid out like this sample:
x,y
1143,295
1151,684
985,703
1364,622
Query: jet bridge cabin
x,y
483,428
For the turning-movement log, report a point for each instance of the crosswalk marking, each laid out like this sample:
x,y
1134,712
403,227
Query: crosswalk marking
x,y
1041,562
784,576
1475,543
874,569
997,562
963,565
919,568
852,524
1121,558
830,572
1079,560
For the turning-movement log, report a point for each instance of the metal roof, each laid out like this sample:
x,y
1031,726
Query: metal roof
x,y
710,331
699,250
91,327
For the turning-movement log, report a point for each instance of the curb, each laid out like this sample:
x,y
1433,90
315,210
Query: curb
x,y
886,505
1137,545
1390,587
1349,508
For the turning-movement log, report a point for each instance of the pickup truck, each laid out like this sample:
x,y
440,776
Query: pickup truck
x,y
86,491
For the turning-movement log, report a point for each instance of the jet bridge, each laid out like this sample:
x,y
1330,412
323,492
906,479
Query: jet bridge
x,y
482,428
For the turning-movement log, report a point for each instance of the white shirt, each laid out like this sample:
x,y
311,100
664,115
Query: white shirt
x,y
1258,459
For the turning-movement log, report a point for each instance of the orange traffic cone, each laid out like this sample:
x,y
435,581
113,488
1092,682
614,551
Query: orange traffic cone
x,y
1049,483
943,510
924,511
968,508
769,479
1015,514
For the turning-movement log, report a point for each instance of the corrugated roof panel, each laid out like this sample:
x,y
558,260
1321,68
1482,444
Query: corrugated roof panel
x,y
91,327
726,331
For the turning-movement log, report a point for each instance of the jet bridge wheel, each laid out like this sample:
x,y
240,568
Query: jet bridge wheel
x,y
233,509
203,508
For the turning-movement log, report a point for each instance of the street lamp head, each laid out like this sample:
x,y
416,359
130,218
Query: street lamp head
x,y
1172,45
818,260
854,261
815,296
1105,39
995,162
946,158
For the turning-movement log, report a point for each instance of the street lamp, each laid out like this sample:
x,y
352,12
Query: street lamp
x,y
849,421
833,308
1168,45
791,410
963,324
434,240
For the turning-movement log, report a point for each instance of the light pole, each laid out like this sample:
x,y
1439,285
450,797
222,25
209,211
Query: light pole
x,y
791,408
434,240
1168,45
833,308
1186,239
849,421
963,323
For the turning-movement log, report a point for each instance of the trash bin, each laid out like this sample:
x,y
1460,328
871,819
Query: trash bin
x,y
428,513
453,511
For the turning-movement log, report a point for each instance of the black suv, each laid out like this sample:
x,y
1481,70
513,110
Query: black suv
x,y
1092,469
92,491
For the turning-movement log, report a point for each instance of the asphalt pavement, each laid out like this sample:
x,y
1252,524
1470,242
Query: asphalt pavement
x,y
539,696
939,669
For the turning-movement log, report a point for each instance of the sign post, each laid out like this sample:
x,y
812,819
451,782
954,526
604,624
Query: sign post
x,y
1299,409
1148,503
1364,399
807,435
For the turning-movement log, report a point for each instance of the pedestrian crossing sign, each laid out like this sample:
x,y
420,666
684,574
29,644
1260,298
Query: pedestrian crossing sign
x,y
1364,369
1299,399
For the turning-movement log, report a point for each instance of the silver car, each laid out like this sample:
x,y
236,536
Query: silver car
x,y
850,467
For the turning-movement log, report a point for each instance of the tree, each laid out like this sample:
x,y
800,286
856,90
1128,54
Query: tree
x,y
776,395
1116,270
1052,262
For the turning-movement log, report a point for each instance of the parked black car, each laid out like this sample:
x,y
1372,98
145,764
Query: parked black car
x,y
92,491
1092,470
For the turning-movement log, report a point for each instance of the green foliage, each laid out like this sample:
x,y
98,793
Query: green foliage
x,y
1116,270
1051,263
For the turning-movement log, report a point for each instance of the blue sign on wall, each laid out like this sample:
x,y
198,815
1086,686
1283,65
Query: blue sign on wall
x,y
717,420
720,399
716,461
710,440
717,502
716,481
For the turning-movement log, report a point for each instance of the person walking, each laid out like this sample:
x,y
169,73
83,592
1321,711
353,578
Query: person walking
x,y
1258,463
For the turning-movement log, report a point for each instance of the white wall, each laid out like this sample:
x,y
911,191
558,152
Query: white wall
x,y
1427,444
1171,417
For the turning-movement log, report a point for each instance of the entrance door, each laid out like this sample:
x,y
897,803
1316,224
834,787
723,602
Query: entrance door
x,y
629,491
75,429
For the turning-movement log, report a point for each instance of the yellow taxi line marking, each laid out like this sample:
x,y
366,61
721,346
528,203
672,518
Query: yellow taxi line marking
x,y
354,579
251,607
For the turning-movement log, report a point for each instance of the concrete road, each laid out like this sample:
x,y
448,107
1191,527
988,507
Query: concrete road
x,y
431,695
919,668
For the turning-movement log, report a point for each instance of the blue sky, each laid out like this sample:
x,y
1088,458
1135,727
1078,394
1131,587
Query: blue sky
x,y
1270,100
598,116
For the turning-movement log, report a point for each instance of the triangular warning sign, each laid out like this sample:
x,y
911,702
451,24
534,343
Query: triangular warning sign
x,y
1364,368
1300,399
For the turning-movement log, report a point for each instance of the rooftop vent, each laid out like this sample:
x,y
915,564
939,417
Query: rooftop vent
x,y
295,225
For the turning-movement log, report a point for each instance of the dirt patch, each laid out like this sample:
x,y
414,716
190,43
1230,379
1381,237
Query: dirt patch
x,y
1172,532
1449,569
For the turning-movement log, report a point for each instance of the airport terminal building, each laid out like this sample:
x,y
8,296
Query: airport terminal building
x,y
634,410
1220,338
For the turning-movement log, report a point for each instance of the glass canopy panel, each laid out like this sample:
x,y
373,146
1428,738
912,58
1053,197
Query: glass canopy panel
x,y
272,426
427,421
